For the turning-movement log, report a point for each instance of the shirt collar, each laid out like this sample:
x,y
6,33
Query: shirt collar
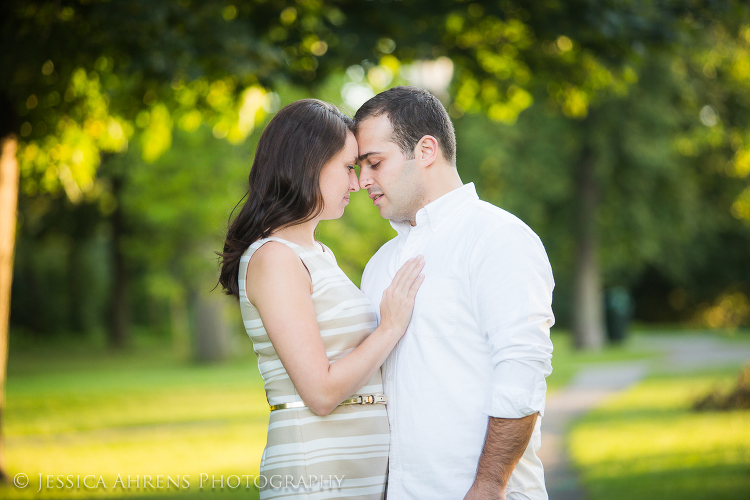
x,y
440,210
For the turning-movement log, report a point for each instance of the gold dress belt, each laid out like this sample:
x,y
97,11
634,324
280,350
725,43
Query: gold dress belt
x,y
369,399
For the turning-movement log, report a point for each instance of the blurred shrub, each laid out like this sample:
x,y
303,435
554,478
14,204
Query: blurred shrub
x,y
738,398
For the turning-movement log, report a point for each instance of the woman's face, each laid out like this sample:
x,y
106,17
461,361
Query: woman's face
x,y
338,179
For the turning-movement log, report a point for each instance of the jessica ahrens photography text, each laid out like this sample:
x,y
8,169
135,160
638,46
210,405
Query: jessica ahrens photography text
x,y
163,481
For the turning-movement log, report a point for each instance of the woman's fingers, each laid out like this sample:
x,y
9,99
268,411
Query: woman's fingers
x,y
415,286
411,276
399,275
400,278
409,272
397,304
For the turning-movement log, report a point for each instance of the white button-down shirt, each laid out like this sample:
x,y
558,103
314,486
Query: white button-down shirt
x,y
478,345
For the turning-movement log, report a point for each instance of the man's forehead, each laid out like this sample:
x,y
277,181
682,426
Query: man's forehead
x,y
374,134
375,127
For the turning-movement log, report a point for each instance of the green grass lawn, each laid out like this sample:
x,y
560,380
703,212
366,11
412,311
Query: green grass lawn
x,y
73,408
646,443
77,409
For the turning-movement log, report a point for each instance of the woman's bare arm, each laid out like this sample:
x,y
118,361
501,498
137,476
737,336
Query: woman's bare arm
x,y
279,286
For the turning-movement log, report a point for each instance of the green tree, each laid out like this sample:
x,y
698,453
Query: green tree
x,y
658,209
177,209
586,58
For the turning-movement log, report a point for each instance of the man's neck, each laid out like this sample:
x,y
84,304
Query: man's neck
x,y
443,183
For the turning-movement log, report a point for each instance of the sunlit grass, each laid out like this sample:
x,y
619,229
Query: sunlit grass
x,y
79,410
647,443
74,408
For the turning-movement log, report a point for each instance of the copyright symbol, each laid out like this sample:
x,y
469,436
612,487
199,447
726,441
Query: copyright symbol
x,y
21,480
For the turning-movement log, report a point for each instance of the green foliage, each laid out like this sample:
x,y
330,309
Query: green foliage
x,y
658,208
99,71
82,78
62,268
178,208
107,94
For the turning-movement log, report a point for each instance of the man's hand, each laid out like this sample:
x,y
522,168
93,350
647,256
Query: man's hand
x,y
504,444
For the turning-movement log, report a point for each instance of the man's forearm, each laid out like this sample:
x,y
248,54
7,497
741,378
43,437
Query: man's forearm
x,y
504,444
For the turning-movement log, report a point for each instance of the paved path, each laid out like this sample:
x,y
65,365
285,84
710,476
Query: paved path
x,y
593,384
693,351
588,388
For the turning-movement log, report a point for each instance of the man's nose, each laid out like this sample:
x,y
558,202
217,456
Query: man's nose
x,y
365,181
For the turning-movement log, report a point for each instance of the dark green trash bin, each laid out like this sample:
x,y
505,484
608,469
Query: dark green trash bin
x,y
619,311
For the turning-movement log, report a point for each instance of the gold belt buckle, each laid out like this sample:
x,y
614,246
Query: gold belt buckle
x,y
366,400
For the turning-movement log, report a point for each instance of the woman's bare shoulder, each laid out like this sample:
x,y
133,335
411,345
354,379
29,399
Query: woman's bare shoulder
x,y
274,265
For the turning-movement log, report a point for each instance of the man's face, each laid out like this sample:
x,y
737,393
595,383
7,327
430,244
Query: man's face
x,y
392,181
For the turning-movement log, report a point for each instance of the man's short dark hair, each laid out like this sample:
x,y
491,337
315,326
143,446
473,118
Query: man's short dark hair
x,y
413,113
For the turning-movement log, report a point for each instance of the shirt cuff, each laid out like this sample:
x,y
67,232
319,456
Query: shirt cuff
x,y
514,402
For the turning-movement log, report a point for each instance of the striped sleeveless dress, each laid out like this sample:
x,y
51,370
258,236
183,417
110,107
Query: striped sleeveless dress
x,y
345,453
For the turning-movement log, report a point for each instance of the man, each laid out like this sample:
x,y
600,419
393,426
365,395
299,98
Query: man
x,y
466,384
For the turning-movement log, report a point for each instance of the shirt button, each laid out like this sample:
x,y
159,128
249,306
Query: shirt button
x,y
390,377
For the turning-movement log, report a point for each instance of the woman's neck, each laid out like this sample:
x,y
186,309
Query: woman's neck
x,y
301,234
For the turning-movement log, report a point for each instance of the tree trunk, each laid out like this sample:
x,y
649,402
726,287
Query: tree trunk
x,y
76,288
178,315
588,300
212,332
8,207
119,321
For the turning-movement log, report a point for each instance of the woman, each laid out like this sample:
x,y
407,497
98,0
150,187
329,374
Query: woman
x,y
328,420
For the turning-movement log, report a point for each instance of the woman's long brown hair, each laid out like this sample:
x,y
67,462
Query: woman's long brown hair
x,y
284,183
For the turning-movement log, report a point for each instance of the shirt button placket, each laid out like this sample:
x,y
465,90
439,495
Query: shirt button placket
x,y
408,250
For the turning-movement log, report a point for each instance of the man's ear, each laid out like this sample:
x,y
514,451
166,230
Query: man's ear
x,y
426,150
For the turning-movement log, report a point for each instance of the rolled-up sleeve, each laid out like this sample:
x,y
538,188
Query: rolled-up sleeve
x,y
511,286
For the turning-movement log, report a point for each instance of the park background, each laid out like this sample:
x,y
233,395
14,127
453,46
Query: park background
x,y
618,130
